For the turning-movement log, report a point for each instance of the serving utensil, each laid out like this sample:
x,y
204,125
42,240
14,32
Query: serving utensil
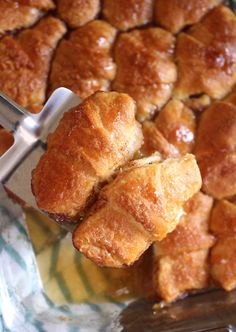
x,y
30,133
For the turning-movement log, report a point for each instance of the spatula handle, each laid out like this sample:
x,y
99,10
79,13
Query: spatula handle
x,y
10,113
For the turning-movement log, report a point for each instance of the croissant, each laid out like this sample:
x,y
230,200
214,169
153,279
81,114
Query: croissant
x,y
91,142
215,149
174,15
180,261
25,61
145,68
21,13
223,225
140,206
125,14
205,56
94,68
78,12
172,133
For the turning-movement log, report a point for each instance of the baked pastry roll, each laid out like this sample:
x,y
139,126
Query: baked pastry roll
x,y
180,260
125,15
172,133
174,15
215,149
6,141
223,225
205,56
192,233
141,205
174,275
25,62
21,13
91,142
223,264
78,12
84,63
145,68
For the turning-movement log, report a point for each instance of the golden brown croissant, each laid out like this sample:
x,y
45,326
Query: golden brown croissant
x,y
215,149
174,275
25,61
21,13
223,224
205,56
172,133
180,260
93,69
78,12
140,206
125,14
145,68
91,142
154,141
174,15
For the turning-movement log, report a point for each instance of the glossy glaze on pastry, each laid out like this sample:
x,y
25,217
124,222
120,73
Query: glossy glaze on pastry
x,y
174,15
16,14
140,206
172,133
205,56
83,62
181,259
145,68
223,225
91,142
25,61
78,12
215,149
125,15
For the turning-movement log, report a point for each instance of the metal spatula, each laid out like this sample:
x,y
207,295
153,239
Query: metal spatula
x,y
30,134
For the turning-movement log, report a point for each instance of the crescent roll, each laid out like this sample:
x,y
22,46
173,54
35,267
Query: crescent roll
x,y
180,261
223,225
25,62
91,142
172,133
84,62
216,149
205,56
21,13
140,206
145,68
174,15
78,12
125,15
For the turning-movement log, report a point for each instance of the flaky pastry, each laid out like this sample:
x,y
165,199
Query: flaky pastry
x,y
174,15
174,275
91,142
140,206
223,225
17,14
25,61
78,12
125,14
172,133
216,149
180,260
84,63
205,56
145,68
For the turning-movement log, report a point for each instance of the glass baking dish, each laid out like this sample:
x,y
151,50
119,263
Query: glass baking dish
x,y
46,285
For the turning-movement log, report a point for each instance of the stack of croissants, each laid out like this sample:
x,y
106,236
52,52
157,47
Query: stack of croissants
x,y
148,159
